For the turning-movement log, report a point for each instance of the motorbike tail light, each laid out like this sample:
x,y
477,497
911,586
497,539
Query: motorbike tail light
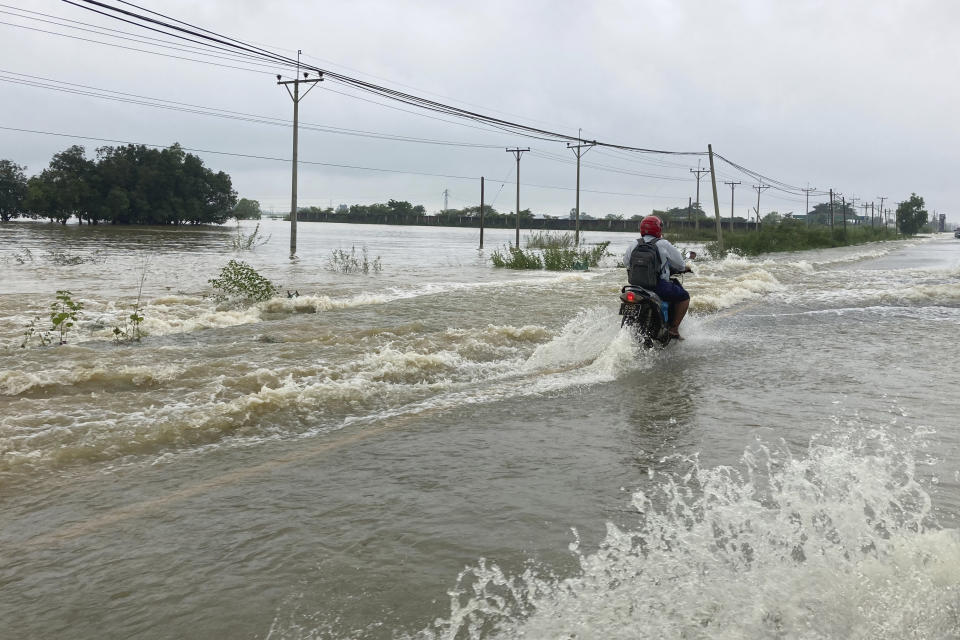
x,y
631,296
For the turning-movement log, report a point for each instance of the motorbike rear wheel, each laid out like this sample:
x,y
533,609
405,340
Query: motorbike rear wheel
x,y
647,323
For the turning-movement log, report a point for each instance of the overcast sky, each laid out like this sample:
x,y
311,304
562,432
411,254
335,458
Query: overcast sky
x,y
858,96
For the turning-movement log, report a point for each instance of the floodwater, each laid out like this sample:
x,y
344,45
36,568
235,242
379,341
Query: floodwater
x,y
447,450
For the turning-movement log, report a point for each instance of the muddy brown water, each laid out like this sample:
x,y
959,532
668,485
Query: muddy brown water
x,y
447,450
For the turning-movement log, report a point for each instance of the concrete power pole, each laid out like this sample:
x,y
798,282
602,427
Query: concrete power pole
x,y
446,195
698,172
579,150
518,152
296,97
853,205
481,212
732,185
880,217
807,191
716,200
760,188
831,210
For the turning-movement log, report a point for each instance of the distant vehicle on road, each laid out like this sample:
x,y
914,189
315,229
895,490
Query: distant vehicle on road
x,y
956,232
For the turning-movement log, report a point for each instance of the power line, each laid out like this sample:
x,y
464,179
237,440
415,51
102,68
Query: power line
x,y
326,164
132,98
386,92
251,54
120,46
201,49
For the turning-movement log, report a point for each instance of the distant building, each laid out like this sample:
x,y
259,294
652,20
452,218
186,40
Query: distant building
x,y
342,208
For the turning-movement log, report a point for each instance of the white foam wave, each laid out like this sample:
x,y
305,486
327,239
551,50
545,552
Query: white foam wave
x,y
714,294
837,543
15,382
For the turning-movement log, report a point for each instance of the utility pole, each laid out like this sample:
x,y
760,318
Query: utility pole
x,y
698,172
716,201
807,191
446,194
843,210
481,212
760,188
296,97
853,205
517,152
579,150
732,185
883,223
831,210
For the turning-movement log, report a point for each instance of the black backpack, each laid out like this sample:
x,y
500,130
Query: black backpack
x,y
645,264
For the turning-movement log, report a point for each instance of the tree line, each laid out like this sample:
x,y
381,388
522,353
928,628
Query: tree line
x,y
131,184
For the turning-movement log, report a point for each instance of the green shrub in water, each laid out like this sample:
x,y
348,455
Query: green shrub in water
x,y
240,281
550,240
64,313
516,259
560,259
553,258
794,236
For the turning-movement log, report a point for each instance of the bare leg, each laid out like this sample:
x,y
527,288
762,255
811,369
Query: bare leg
x,y
679,311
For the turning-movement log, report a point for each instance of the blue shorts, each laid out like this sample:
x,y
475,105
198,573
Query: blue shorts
x,y
670,291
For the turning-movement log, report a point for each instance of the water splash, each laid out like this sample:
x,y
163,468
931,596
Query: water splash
x,y
837,543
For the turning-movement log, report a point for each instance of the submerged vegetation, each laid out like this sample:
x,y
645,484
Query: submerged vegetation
x,y
64,313
249,241
239,282
343,262
790,235
131,330
552,258
516,258
551,240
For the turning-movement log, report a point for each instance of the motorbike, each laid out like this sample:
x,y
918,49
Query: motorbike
x,y
646,314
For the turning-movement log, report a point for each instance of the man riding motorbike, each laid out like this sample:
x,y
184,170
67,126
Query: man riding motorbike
x,y
651,228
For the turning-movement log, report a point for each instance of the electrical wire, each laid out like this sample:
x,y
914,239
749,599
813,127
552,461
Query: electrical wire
x,y
254,55
161,103
386,92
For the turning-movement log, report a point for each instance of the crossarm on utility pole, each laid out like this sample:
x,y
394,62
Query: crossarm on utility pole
x,y
296,97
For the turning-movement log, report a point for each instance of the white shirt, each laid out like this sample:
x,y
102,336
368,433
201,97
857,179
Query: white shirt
x,y
669,255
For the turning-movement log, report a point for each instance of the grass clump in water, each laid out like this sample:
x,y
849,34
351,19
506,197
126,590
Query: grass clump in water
x,y
239,281
793,236
554,258
550,240
344,262
560,259
516,258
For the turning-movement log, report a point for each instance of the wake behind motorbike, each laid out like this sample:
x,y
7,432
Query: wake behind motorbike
x,y
646,314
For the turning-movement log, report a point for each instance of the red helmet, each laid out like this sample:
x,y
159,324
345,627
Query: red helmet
x,y
652,226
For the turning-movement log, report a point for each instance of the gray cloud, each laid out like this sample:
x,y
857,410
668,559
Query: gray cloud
x,y
852,95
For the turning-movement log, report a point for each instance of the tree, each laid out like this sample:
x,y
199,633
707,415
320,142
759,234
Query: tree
x,y
614,216
13,190
65,188
247,210
773,217
911,215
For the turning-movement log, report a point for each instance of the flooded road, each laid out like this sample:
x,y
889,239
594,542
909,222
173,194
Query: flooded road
x,y
447,450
